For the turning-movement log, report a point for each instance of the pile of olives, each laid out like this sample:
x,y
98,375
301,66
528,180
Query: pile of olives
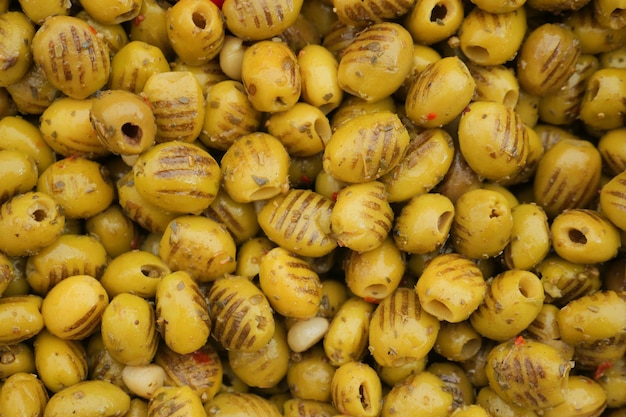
x,y
312,208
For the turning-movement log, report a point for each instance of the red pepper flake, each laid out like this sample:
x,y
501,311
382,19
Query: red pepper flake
x,y
200,357
305,179
519,341
334,196
134,243
93,30
466,109
372,300
600,370
218,3
140,18
431,116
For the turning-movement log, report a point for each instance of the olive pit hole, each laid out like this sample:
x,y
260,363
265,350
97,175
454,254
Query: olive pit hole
x,y
443,223
576,236
323,129
264,193
39,215
438,13
132,133
365,401
471,347
510,98
617,13
439,310
152,271
529,288
477,53
198,20
376,290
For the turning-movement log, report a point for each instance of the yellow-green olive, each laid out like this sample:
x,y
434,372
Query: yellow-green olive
x,y
600,107
60,363
530,237
20,318
151,27
195,29
177,104
495,83
291,286
310,374
177,177
366,147
360,14
475,367
200,246
426,104
272,84
207,74
136,272
16,358
20,135
567,176
400,329
613,382
430,22
254,21
89,399
38,12
357,390
455,382
451,288
584,236
255,167
18,173
303,129
228,115
377,273
361,217
201,370
353,106
66,128
473,410
410,396
82,316
242,315
16,40
424,223
30,222
514,298
266,367
482,224
318,69
129,329
114,229
584,397
457,341
237,404
249,255
529,374
347,336
493,132
73,57
123,121
133,64
528,107
24,394
394,375
299,221
70,179
547,58
182,313
378,51
611,150
492,38
69,254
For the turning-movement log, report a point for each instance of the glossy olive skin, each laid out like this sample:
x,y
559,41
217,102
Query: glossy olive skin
x,y
60,363
79,68
97,398
16,40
